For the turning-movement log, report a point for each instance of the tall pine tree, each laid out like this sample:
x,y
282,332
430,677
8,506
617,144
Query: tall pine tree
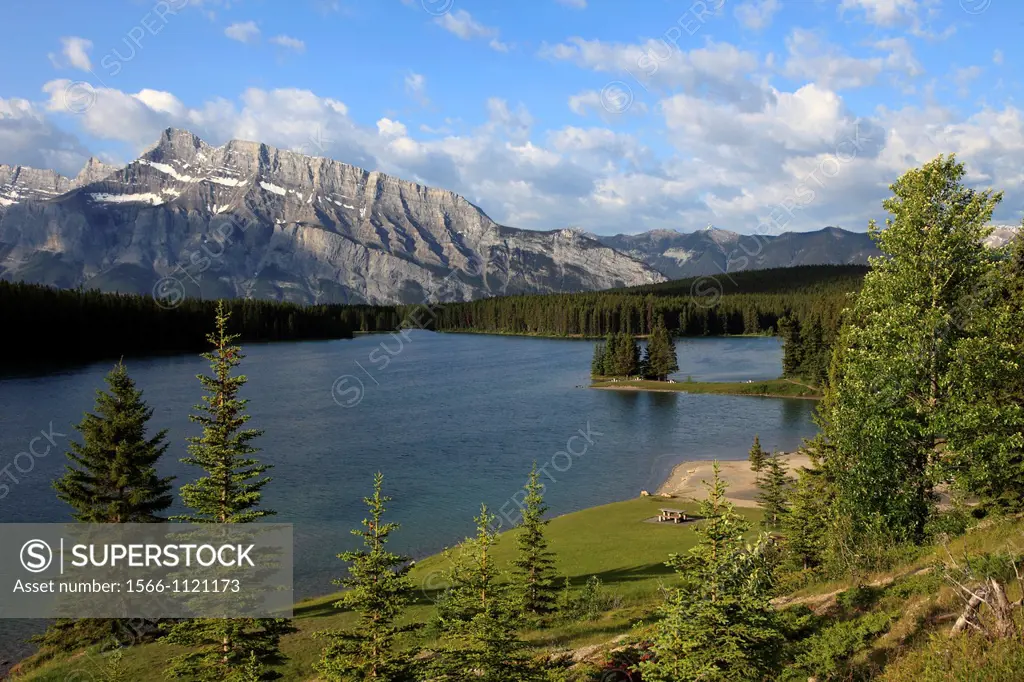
x,y
112,476
757,456
773,496
806,525
379,591
225,648
719,624
661,353
479,618
534,573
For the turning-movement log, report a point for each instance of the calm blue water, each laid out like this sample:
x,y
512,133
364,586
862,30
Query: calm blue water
x,y
451,420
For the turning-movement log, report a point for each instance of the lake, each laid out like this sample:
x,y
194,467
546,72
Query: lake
x,y
452,420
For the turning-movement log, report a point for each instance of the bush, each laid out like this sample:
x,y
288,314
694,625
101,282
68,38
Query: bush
x,y
592,600
827,654
922,583
858,599
948,524
966,658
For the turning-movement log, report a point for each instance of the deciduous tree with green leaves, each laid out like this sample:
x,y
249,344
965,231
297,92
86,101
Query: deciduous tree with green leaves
x,y
882,412
535,566
984,416
379,591
718,624
219,648
479,617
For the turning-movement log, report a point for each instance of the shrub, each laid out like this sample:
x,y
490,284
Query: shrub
x,y
966,658
827,654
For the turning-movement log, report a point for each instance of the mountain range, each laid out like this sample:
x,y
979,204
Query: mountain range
x,y
247,219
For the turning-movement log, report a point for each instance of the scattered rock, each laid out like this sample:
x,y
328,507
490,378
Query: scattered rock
x,y
644,493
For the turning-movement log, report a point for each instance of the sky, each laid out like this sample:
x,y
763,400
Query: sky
x,y
613,116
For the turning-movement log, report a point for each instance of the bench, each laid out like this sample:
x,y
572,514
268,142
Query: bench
x,y
673,515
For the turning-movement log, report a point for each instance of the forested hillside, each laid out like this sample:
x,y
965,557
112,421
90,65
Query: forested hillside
x,y
46,325
802,304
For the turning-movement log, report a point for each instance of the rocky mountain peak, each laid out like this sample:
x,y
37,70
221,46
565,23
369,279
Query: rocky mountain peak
x,y
313,230
93,171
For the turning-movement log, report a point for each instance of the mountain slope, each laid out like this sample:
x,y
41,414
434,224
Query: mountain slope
x,y
712,251
246,219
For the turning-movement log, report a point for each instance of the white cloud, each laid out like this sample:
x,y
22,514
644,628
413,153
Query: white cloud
x,y
720,70
815,60
289,43
608,104
29,138
388,128
243,32
462,24
74,53
757,14
883,12
728,161
416,88
964,77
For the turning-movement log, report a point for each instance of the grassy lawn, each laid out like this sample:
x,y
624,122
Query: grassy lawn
x,y
775,388
612,542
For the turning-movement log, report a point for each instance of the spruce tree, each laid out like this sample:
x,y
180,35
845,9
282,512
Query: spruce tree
x,y
626,360
112,477
535,565
479,618
597,364
806,524
611,353
773,495
661,353
718,624
792,347
220,648
232,488
379,591
757,457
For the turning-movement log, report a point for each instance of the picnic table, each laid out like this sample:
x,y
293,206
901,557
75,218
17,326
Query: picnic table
x,y
673,515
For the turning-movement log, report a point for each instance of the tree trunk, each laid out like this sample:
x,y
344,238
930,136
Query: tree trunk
x,y
970,611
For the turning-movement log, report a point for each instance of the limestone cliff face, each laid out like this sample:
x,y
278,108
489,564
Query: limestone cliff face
x,y
246,219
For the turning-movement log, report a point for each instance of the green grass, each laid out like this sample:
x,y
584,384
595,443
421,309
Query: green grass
x,y
773,388
612,542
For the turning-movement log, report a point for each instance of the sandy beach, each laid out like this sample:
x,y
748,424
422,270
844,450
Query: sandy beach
x,y
685,480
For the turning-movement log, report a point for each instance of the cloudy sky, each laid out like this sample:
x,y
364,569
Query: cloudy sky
x,y
608,115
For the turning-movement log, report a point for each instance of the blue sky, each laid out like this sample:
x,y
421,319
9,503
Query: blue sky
x,y
608,115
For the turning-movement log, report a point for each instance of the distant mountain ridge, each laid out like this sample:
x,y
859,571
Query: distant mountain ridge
x,y
247,219
712,251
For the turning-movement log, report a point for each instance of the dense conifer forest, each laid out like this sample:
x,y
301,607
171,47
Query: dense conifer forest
x,y
46,325
800,304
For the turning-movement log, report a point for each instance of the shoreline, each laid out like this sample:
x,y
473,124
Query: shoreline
x,y
772,388
684,482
